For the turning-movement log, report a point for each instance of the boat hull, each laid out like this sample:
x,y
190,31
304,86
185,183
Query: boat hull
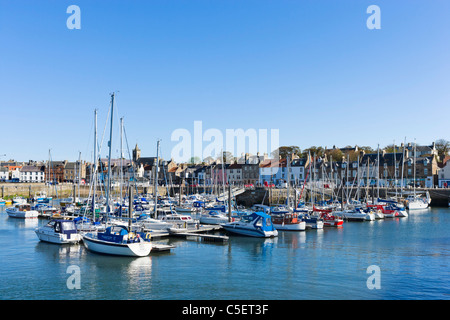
x,y
138,249
298,226
32,214
333,223
57,238
414,205
236,229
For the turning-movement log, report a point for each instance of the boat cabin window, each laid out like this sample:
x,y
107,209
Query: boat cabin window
x,y
259,222
68,225
268,222
247,219
51,224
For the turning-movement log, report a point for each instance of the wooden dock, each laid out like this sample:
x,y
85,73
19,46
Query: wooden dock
x,y
203,236
200,232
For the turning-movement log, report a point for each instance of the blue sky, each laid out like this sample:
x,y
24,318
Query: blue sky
x,y
311,69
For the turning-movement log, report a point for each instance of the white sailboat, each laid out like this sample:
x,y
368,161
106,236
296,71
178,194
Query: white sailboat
x,y
416,201
117,239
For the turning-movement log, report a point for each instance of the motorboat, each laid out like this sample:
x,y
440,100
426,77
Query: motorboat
x,y
288,221
185,208
44,209
22,211
214,217
311,221
152,224
329,218
358,214
59,231
388,210
84,225
41,197
19,200
117,240
332,220
261,208
256,224
178,219
279,209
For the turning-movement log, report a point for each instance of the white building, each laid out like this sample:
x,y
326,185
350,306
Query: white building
x,y
32,174
4,174
444,175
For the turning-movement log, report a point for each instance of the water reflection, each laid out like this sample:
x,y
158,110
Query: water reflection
x,y
60,253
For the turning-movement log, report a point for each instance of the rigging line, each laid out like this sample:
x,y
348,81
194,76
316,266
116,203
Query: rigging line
x,y
88,143
132,163
104,130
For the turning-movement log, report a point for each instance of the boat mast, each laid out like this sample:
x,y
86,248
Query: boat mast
x,y
378,172
223,175
109,158
95,163
367,182
357,179
121,161
395,172
288,182
155,181
79,173
403,164
414,181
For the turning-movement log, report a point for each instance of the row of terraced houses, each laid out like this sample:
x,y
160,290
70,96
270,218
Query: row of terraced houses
x,y
425,169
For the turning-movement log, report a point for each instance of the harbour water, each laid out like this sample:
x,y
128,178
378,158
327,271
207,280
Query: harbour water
x,y
412,254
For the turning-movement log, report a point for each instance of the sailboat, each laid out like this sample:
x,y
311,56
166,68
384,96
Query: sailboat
x,y
116,239
416,201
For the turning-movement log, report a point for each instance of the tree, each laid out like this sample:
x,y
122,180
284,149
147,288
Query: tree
x,y
443,147
287,151
390,148
227,157
194,160
336,154
367,149
318,151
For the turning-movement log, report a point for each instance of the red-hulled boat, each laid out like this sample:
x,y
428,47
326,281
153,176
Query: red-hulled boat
x,y
329,219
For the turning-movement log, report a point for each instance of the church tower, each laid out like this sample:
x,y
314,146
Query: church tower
x,y
136,153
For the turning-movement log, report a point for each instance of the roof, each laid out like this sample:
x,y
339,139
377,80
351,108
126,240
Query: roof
x,y
31,169
147,161
117,162
271,163
301,162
